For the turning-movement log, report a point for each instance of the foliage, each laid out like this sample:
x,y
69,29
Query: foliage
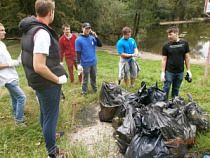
x,y
107,17
28,142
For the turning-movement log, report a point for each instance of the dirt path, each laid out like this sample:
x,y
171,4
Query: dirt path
x,y
148,55
95,135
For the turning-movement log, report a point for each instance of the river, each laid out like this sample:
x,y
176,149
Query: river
x,y
197,34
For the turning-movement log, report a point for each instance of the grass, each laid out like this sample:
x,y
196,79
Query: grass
x,y
28,142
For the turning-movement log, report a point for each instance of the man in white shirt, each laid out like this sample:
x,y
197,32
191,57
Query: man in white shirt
x,y
41,62
9,78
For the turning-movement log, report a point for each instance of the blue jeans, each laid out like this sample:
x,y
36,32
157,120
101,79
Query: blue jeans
x,y
91,70
49,99
18,100
175,79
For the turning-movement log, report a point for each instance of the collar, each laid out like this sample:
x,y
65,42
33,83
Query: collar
x,y
39,19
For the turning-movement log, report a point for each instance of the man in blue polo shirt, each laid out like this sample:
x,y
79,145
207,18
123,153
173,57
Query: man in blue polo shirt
x,y
86,56
127,49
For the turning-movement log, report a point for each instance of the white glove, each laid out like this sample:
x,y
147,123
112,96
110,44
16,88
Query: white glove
x,y
162,78
79,69
13,63
61,63
62,79
134,55
189,73
139,55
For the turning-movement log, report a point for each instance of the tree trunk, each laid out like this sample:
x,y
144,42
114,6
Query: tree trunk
x,y
137,19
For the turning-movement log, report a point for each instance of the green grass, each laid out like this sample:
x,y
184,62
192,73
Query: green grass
x,y
28,142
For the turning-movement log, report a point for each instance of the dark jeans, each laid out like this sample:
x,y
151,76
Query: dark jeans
x,y
175,79
91,70
49,99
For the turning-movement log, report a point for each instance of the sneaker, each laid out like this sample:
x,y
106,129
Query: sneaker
x,y
20,124
59,153
59,134
132,86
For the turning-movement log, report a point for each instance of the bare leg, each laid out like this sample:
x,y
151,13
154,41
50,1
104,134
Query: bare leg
x,y
132,81
126,82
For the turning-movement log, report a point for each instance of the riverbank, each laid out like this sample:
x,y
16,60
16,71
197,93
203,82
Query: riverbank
x,y
147,55
185,21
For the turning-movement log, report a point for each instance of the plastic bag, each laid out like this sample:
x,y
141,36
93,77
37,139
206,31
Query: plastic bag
x,y
126,131
144,146
111,97
196,115
151,95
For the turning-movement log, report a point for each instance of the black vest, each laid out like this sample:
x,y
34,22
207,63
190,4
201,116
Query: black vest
x,y
36,81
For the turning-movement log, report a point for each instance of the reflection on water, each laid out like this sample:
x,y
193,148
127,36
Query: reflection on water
x,y
197,34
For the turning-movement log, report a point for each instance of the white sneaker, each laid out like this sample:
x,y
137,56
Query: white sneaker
x,y
20,124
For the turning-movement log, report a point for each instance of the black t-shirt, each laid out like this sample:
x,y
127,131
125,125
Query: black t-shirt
x,y
175,52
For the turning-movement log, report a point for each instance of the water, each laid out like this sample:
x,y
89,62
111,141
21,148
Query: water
x,y
197,35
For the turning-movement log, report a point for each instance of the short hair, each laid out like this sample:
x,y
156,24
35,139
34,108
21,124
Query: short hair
x,y
65,25
126,30
43,7
172,29
1,24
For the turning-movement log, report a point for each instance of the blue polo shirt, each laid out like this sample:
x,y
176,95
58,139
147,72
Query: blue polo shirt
x,y
86,45
126,46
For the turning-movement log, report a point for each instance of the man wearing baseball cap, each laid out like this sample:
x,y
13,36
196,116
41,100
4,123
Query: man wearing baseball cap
x,y
86,56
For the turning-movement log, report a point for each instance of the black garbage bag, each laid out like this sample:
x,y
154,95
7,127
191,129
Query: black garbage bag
x,y
154,117
111,97
196,115
126,131
147,146
151,95
183,120
130,100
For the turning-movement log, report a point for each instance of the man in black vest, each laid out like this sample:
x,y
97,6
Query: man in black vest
x,y
41,62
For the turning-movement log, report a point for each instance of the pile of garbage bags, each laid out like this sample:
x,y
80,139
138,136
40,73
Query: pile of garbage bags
x,y
147,125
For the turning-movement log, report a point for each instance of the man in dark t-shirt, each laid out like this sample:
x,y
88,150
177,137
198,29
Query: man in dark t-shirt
x,y
175,53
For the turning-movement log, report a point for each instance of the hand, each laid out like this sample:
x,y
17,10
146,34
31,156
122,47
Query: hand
x,y
162,78
62,79
79,69
189,73
138,55
61,63
134,55
13,63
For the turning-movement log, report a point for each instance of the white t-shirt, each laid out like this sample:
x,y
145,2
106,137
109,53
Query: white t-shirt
x,y
41,42
7,75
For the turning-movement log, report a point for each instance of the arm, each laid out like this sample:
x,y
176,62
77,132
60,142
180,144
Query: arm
x,y
164,59
99,43
125,55
61,50
3,66
39,64
136,51
78,55
187,61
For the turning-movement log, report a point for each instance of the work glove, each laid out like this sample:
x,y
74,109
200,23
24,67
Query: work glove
x,y
162,78
61,63
62,79
138,55
134,55
13,63
189,73
79,69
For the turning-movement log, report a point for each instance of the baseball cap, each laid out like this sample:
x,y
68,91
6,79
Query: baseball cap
x,y
86,25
